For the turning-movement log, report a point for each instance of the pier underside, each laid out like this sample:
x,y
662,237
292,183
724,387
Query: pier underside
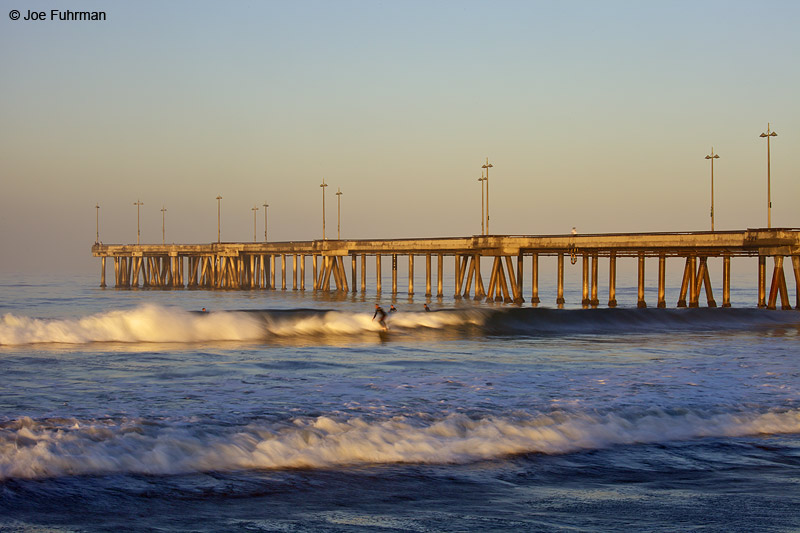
x,y
240,266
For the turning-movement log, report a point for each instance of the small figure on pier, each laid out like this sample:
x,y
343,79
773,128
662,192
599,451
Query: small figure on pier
x,y
574,231
381,314
426,307
392,309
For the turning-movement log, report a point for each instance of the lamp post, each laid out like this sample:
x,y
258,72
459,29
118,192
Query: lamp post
x,y
138,204
97,236
265,219
218,217
163,217
768,134
712,157
254,209
338,214
323,207
487,166
481,180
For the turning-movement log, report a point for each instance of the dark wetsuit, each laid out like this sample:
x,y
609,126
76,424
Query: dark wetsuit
x,y
381,314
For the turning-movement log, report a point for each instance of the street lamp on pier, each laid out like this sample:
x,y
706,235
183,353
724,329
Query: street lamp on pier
x,y
487,166
483,221
323,185
218,217
712,157
338,214
254,209
138,204
768,134
97,236
163,225
265,219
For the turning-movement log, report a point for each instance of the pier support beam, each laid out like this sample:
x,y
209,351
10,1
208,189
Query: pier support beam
x,y
612,280
694,293
439,275
762,281
796,269
662,280
410,274
726,281
467,277
459,265
594,301
778,285
363,273
302,272
704,279
342,274
103,271
560,289
492,289
513,281
640,300
504,280
684,284
535,279
394,274
378,273
427,275
354,270
479,290
585,281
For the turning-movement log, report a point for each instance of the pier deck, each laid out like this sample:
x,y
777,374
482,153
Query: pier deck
x,y
254,265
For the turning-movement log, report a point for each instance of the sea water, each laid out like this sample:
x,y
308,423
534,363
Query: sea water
x,y
131,410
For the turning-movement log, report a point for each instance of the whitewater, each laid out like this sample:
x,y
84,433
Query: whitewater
x,y
290,411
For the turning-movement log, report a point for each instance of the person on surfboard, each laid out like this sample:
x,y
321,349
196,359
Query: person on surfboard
x,y
381,314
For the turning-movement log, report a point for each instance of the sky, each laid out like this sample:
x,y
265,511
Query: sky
x,y
596,115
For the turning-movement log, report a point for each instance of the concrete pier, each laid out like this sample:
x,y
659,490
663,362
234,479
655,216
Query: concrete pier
x,y
251,266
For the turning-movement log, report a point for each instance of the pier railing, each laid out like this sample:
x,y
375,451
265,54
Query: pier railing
x,y
241,266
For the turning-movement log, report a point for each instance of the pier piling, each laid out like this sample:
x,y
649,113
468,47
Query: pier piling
x,y
251,266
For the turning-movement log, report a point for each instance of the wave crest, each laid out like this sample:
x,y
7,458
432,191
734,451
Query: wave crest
x,y
51,448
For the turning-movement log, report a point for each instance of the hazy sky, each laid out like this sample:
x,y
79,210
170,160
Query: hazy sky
x,y
595,114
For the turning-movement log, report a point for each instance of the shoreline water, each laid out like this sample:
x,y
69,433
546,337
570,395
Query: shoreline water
x,y
283,411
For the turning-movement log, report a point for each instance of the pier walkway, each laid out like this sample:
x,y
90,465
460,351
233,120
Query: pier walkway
x,y
238,266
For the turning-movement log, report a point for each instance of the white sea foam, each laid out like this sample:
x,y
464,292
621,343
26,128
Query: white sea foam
x,y
152,323
39,449
147,323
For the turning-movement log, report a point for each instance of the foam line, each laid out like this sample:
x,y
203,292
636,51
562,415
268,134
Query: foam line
x,y
52,448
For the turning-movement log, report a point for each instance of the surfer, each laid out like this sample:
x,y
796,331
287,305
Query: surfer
x,y
392,309
204,310
426,307
381,314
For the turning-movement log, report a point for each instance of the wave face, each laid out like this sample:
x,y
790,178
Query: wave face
x,y
153,323
60,447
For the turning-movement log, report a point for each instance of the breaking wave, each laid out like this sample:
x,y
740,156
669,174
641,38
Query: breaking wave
x,y
152,323
68,447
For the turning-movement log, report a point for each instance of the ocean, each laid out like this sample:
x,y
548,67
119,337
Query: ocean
x,y
132,410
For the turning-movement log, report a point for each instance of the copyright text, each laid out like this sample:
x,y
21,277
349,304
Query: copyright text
x,y
56,14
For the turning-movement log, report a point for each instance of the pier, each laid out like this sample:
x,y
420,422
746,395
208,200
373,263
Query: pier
x,y
251,266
